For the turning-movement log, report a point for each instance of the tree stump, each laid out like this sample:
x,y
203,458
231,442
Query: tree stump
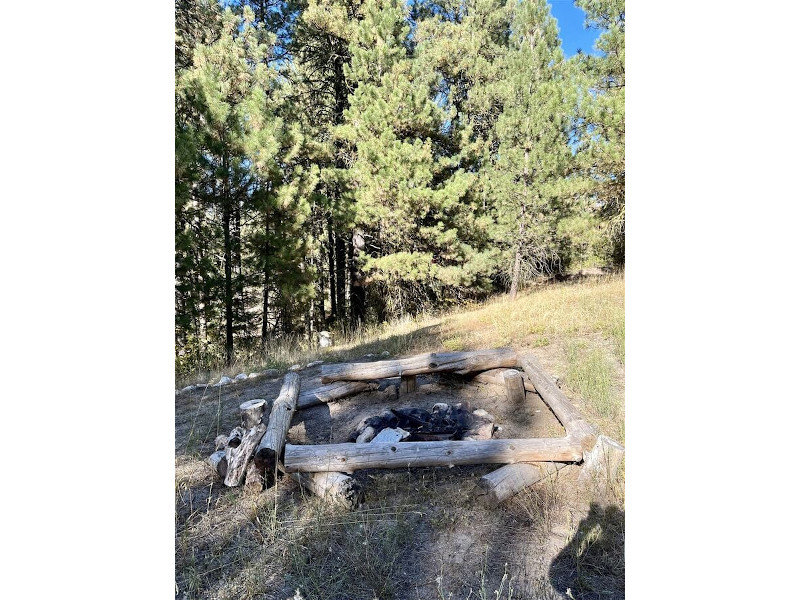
x,y
252,411
408,384
515,387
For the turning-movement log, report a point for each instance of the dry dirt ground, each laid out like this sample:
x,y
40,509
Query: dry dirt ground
x,y
419,533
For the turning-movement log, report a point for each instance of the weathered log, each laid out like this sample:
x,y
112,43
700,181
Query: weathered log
x,y
563,409
495,377
600,465
338,488
269,452
351,457
500,485
238,457
252,411
334,391
515,389
390,434
254,478
442,362
408,384
219,462
235,437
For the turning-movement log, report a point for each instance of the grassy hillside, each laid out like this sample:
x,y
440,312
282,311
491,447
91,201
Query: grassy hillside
x,y
419,534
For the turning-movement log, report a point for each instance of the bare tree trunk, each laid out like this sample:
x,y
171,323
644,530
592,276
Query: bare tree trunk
x,y
226,229
332,269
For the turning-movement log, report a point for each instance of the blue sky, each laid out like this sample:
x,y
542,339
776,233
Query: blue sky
x,y
570,24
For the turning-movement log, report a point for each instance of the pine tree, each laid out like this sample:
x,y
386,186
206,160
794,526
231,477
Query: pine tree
x,y
229,139
531,156
602,148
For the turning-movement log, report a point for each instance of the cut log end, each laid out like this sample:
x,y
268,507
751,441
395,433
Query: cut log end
x,y
336,488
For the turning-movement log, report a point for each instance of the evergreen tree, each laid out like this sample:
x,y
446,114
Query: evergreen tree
x,y
531,154
602,148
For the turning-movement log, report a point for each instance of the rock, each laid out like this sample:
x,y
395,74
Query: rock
x,y
391,434
295,368
188,388
370,355
325,339
253,375
314,363
385,353
391,392
240,377
272,373
223,381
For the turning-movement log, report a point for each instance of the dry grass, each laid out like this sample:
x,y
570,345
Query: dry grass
x,y
419,534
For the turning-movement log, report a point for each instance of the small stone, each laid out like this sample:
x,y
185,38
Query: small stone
x,y
253,375
385,353
295,368
188,388
370,355
223,381
240,377
272,373
314,363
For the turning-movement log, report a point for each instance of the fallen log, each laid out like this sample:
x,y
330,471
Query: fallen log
x,y
254,478
401,455
219,462
334,391
600,465
570,418
337,488
441,362
252,411
269,451
239,456
500,485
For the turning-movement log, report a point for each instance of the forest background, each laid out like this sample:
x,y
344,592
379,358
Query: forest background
x,y
346,162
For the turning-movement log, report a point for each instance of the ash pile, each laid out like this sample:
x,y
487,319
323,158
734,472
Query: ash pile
x,y
442,422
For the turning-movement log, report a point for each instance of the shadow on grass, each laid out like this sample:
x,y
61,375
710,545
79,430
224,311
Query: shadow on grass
x,y
592,565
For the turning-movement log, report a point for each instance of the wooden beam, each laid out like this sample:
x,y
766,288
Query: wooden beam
x,y
408,384
479,360
334,391
269,452
500,485
570,418
401,455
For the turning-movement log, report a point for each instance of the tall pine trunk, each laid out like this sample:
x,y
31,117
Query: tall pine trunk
x,y
332,269
358,294
521,230
226,228
341,252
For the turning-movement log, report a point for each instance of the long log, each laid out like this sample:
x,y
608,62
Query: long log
x,y
500,485
570,418
351,457
441,362
337,488
334,391
239,456
269,452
